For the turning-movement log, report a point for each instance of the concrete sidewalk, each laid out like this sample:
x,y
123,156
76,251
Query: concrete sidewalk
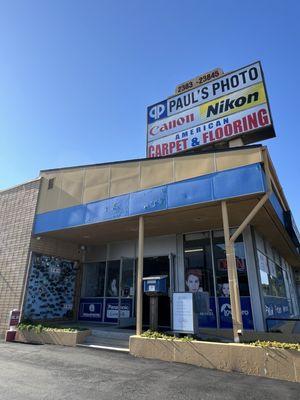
x,y
35,372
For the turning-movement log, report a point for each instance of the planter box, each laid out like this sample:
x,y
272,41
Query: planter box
x,y
52,337
250,336
251,360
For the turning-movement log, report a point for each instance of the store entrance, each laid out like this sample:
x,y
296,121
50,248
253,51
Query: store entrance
x,y
158,266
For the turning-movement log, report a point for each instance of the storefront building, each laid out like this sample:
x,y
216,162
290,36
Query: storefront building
x,y
82,256
75,240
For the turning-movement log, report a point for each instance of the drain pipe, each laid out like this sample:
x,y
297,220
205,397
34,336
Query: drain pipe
x,y
236,312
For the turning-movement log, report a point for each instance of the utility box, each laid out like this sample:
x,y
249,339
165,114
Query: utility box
x,y
155,285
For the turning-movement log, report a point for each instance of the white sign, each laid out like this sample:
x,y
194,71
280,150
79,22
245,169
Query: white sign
x,y
262,262
183,312
113,311
208,133
232,105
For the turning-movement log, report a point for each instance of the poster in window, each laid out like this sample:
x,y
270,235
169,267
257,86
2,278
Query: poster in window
x,y
240,264
262,262
272,268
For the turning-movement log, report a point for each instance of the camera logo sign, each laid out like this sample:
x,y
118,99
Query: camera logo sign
x,y
157,111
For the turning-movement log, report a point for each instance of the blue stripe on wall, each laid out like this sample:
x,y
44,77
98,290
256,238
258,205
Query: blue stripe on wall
x,y
219,185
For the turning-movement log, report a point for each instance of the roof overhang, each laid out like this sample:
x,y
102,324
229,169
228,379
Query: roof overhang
x,y
232,183
200,217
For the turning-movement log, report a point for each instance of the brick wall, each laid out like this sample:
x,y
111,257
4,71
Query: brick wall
x,y
55,247
17,210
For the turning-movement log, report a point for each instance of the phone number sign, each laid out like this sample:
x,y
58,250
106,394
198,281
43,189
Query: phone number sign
x,y
199,80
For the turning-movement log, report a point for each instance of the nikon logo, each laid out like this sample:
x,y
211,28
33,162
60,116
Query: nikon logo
x,y
228,104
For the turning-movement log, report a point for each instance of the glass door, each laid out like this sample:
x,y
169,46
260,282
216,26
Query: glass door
x,y
112,290
91,307
127,293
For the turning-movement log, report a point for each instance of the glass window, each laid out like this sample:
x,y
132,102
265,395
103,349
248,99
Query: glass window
x,y
281,292
276,257
259,242
198,263
199,277
127,282
264,272
269,250
274,282
113,276
94,275
221,265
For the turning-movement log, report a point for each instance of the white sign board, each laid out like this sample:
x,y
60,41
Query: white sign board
x,y
183,312
232,105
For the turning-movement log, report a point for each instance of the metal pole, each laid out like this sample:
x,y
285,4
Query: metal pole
x,y
153,313
139,291
236,312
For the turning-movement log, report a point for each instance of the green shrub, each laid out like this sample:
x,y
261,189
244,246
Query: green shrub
x,y
38,328
159,335
277,345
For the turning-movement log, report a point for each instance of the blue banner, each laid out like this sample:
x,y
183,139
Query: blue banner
x,y
277,307
225,312
208,319
90,309
112,309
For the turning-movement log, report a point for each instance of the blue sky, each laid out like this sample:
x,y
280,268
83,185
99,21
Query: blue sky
x,y
76,76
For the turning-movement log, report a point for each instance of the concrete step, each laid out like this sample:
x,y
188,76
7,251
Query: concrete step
x,y
123,334
107,348
106,343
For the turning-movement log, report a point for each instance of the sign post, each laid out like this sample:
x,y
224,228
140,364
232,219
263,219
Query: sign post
x,y
184,317
14,319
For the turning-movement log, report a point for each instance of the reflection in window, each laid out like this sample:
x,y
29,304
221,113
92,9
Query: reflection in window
x,y
277,281
264,272
113,275
197,261
94,275
272,277
274,281
199,275
221,265
127,286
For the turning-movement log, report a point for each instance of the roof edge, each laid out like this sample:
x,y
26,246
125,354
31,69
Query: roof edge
x,y
20,184
190,153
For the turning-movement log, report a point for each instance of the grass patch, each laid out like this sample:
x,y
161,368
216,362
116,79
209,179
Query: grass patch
x,y
38,328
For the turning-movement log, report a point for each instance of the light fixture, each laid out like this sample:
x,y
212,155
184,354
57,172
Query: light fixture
x,y
193,250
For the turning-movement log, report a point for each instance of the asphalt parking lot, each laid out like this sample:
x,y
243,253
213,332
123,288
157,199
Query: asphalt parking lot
x,y
30,372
